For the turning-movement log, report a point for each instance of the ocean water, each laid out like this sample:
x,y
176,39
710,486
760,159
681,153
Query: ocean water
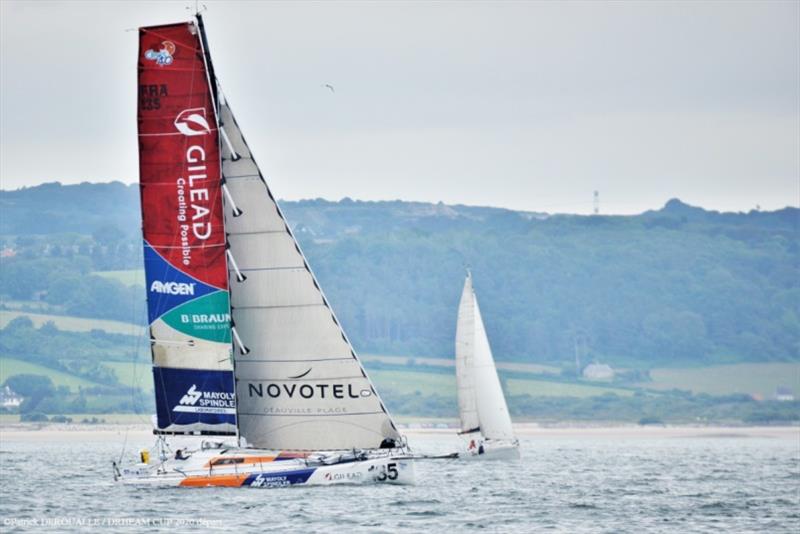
x,y
561,484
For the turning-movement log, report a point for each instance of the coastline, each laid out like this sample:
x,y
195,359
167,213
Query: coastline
x,y
40,432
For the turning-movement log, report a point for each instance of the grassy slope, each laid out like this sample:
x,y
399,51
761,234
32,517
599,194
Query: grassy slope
x,y
753,378
135,374
129,278
445,385
411,381
10,366
544,388
74,324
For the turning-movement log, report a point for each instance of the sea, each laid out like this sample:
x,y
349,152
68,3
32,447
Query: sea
x,y
725,483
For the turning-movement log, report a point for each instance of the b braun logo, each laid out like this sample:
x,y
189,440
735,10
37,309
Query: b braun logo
x,y
172,288
191,122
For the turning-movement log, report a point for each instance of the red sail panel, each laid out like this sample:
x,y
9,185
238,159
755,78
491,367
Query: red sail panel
x,y
179,154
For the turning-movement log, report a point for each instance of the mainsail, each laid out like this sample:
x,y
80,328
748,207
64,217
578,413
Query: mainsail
x,y
481,400
299,382
465,350
184,238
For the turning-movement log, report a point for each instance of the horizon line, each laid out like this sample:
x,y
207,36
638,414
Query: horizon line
x,y
587,203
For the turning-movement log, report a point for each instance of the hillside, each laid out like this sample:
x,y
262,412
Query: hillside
x,y
676,286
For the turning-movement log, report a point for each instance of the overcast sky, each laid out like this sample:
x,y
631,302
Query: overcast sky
x,y
525,105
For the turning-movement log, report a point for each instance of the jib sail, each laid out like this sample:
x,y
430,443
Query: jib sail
x,y
184,237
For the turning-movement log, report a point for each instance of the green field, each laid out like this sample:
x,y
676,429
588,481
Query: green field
x,y
533,368
411,381
545,388
133,277
108,418
133,374
445,385
73,324
752,378
10,367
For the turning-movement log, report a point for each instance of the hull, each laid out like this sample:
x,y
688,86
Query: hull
x,y
272,469
488,450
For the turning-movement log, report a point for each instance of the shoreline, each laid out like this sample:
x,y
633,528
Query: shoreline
x,y
532,431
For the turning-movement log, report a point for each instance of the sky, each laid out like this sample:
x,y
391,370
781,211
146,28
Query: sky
x,y
524,105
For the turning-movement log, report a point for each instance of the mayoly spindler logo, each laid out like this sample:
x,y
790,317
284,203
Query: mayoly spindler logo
x,y
192,396
191,122
199,401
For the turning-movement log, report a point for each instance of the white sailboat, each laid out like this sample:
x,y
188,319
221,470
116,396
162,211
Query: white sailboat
x,y
485,421
245,346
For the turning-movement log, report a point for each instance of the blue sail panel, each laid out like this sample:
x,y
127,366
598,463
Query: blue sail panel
x,y
191,399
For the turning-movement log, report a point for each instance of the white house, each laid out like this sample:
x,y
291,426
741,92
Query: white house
x,y
598,371
9,399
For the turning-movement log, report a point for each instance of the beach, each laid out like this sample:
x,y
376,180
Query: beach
x,y
530,431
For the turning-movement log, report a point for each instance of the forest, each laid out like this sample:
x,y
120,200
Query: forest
x,y
676,286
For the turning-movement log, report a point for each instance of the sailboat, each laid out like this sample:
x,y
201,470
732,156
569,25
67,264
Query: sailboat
x,y
485,421
256,383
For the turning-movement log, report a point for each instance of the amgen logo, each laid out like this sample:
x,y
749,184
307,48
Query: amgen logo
x,y
172,288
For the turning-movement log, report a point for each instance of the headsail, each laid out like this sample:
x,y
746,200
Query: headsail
x,y
184,238
299,383
483,392
465,350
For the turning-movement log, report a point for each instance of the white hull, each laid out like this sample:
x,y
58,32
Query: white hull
x,y
488,450
270,469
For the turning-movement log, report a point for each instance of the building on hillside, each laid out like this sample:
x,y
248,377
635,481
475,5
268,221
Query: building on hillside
x,y
782,393
598,371
9,399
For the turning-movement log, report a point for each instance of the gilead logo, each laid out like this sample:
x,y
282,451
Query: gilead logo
x,y
172,288
192,122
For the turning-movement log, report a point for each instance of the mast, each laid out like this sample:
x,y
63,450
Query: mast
x,y
184,235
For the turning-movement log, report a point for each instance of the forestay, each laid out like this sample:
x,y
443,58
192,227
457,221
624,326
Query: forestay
x,y
299,383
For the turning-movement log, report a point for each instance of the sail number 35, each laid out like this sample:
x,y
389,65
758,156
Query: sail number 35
x,y
387,472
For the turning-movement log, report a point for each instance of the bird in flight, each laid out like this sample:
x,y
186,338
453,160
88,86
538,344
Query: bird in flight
x,y
329,86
